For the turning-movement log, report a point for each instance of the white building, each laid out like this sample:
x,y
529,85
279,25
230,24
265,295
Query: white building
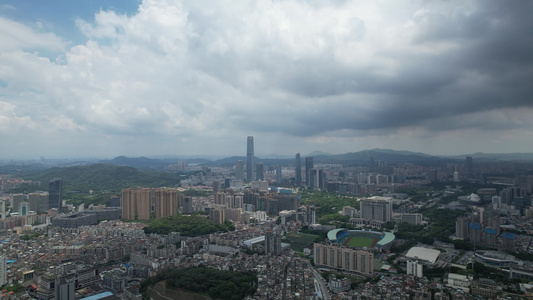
x,y
349,211
339,285
456,176
412,218
260,216
251,242
415,268
426,254
458,281
497,200
376,209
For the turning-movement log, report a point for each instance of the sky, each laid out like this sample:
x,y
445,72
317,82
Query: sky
x,y
95,78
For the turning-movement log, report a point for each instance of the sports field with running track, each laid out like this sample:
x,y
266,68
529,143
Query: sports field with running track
x,y
359,241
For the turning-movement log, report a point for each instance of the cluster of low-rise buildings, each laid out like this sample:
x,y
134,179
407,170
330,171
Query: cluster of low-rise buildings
x,y
59,256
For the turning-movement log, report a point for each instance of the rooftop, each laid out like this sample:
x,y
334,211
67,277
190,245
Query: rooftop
x,y
421,253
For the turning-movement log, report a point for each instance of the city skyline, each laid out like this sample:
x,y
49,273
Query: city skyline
x,y
161,77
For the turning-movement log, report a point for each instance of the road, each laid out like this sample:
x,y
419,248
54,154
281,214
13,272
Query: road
x,y
320,285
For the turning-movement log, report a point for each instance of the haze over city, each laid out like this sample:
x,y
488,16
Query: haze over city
x,y
157,77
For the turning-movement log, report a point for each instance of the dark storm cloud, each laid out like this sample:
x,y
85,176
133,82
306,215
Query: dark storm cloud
x,y
488,67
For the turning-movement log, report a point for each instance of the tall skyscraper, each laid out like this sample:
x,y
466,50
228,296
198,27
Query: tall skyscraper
x,y
298,170
216,186
461,227
279,176
16,199
308,167
187,205
39,201
33,199
239,170
250,159
317,178
55,194
260,172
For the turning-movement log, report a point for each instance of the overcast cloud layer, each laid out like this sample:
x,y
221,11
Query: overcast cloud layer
x,y
197,77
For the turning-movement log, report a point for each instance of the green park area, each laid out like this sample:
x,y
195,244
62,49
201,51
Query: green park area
x,y
298,241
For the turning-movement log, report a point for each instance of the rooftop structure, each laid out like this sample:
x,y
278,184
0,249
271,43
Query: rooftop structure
x,y
429,255
495,258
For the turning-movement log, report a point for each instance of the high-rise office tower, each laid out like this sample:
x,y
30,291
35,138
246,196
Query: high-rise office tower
x,y
216,186
308,167
260,172
33,199
279,176
474,232
310,215
38,201
250,159
461,227
239,170
16,199
55,194
298,170
187,205
44,202
317,178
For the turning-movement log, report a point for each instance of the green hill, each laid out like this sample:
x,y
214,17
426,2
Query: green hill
x,y
217,284
101,177
186,226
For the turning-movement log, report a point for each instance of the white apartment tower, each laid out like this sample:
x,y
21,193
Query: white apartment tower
x,y
376,209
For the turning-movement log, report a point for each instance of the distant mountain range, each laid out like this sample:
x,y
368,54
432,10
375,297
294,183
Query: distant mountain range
x,y
498,156
351,158
122,172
